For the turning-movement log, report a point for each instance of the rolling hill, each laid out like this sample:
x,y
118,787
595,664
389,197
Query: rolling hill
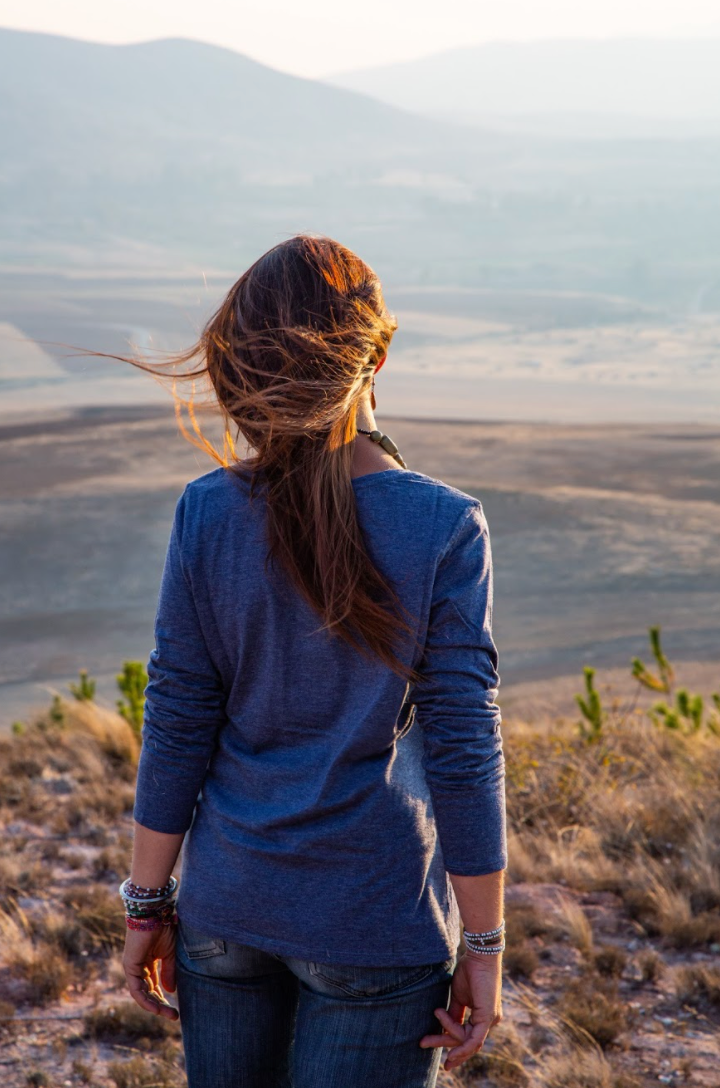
x,y
612,87
175,148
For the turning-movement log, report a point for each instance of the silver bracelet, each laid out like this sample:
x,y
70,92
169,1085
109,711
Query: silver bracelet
x,y
172,883
487,950
483,938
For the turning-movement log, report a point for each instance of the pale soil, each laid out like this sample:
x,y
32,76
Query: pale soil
x,y
598,531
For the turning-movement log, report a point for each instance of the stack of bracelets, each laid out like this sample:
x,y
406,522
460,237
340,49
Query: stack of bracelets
x,y
149,908
491,943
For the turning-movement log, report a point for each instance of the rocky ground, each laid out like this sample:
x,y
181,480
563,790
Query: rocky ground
x,y
613,907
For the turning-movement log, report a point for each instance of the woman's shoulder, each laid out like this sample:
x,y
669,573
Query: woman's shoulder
x,y
421,499
212,492
217,480
424,488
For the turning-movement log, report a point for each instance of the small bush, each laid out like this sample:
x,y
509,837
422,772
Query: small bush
x,y
97,920
82,1071
652,966
610,960
524,920
577,926
521,960
697,984
38,1079
125,1024
112,861
84,690
578,1069
692,932
45,972
138,1072
592,1004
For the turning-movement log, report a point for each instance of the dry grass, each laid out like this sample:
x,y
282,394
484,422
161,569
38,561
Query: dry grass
x,y
82,1070
623,836
610,960
577,927
592,1004
553,1054
70,770
113,862
139,1072
98,917
126,1023
652,966
521,960
698,984
638,814
579,1069
42,971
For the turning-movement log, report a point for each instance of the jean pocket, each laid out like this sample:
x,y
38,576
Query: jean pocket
x,y
197,945
372,981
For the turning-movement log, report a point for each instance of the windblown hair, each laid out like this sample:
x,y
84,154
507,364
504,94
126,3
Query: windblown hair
x,y
289,354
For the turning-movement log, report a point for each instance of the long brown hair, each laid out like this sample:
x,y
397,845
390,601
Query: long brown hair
x,y
289,354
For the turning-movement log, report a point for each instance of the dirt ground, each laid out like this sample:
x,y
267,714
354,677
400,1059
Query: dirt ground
x,y
597,533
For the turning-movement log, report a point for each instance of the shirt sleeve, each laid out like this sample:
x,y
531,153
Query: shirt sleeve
x,y
184,702
463,752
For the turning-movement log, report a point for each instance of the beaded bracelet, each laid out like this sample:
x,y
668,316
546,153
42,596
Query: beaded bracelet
x,y
135,891
149,923
156,912
487,950
127,896
492,934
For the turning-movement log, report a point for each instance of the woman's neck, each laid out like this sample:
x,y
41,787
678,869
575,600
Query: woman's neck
x,y
368,457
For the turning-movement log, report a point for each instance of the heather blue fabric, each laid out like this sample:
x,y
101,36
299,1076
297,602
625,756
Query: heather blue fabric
x,y
327,800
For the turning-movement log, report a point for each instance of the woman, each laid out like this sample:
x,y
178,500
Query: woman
x,y
321,731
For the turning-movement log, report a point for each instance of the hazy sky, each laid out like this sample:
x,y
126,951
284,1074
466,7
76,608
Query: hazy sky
x,y
317,37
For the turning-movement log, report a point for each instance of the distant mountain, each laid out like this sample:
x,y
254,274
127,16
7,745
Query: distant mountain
x,y
176,150
85,107
183,143
615,83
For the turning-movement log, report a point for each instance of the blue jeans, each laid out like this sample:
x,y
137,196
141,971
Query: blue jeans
x,y
250,1019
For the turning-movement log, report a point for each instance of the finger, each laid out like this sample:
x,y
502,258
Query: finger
x,y
149,983
167,974
456,1009
473,1042
438,1040
452,1027
138,988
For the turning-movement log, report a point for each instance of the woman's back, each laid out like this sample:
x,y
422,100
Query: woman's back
x,y
321,735
335,796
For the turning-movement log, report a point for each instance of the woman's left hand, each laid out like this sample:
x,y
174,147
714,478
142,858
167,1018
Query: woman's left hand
x,y
149,965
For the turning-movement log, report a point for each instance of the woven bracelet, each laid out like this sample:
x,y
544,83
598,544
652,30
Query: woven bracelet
x,y
149,923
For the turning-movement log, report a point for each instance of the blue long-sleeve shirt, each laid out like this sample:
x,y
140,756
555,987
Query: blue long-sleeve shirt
x,y
326,800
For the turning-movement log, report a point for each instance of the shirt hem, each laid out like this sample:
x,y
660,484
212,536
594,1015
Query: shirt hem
x,y
430,953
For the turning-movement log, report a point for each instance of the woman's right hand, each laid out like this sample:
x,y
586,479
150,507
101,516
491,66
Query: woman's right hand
x,y
149,965
476,985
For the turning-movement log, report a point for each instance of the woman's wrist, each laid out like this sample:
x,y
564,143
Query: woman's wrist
x,y
486,961
148,907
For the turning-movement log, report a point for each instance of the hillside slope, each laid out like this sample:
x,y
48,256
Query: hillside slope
x,y
624,78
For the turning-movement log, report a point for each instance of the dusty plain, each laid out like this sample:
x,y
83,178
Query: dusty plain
x,y
598,531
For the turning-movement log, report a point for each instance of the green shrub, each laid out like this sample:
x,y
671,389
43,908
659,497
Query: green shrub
x,y
132,682
85,690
